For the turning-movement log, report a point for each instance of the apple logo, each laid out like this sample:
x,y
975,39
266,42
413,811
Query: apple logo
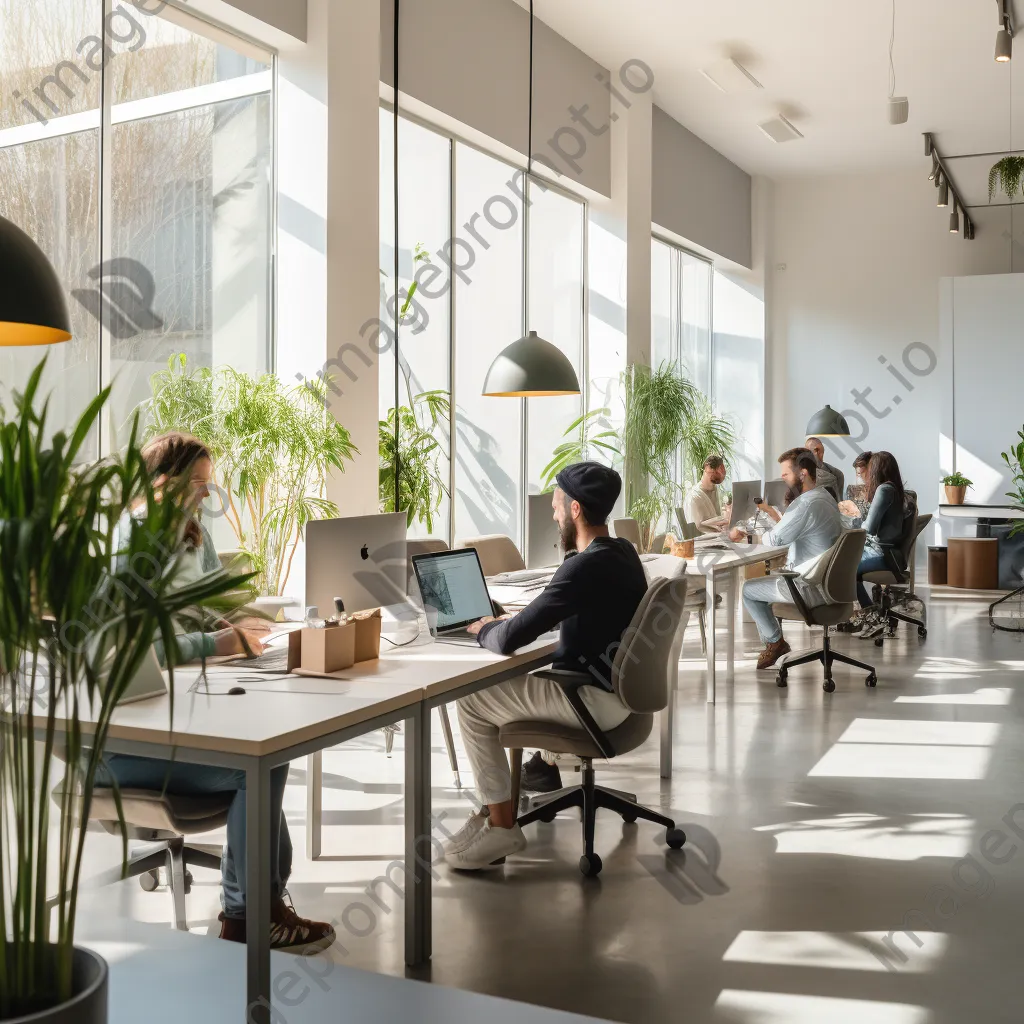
x,y
364,553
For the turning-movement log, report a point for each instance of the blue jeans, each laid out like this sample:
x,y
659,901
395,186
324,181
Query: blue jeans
x,y
198,779
869,562
758,596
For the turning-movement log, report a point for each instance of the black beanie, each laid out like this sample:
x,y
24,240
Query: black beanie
x,y
594,486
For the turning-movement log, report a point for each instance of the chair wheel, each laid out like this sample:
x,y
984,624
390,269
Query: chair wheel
x,y
922,632
878,641
782,679
829,685
629,818
150,880
547,816
188,882
675,837
872,680
591,866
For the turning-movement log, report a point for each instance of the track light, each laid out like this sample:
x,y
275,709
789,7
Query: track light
x,y
1004,46
943,193
935,167
954,221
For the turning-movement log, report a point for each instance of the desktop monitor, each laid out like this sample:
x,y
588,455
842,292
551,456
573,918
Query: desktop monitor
x,y
745,496
775,494
543,540
361,559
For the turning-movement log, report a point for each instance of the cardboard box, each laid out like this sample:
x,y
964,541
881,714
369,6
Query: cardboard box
x,y
367,624
328,650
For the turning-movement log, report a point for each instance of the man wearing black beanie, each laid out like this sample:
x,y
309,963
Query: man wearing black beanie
x,y
592,599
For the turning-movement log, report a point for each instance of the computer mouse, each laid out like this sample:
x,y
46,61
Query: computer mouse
x,y
235,691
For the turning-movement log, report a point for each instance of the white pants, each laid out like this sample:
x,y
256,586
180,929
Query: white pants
x,y
524,699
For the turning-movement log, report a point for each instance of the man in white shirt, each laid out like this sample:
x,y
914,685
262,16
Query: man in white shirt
x,y
809,527
702,501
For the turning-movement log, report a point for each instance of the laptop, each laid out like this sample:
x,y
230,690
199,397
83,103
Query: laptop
x,y
361,559
454,592
543,542
149,681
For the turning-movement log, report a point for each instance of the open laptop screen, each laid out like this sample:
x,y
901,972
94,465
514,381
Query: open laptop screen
x,y
452,584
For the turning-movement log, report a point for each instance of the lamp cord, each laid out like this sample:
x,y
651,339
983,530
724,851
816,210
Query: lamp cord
x,y
398,307
529,128
892,67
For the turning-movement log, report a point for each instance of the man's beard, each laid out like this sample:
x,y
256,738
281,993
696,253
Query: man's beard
x,y
567,534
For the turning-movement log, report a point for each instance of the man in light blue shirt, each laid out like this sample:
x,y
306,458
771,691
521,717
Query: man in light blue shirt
x,y
809,527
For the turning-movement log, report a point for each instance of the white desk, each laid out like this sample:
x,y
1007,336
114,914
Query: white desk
x,y
982,511
260,730
162,976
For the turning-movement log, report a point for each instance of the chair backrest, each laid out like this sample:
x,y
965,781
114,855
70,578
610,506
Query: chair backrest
x,y
836,572
909,534
640,671
425,546
629,529
922,522
497,553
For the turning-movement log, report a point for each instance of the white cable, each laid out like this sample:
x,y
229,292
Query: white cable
x,y
892,67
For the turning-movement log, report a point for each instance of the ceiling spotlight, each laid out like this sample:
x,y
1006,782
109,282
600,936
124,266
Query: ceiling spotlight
x,y
943,193
1004,46
935,167
954,221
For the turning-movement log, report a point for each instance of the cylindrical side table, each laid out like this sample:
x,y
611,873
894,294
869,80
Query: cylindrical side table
x,y
937,566
973,563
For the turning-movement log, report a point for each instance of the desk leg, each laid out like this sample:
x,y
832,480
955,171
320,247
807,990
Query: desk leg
x,y
712,617
731,598
257,893
314,804
668,715
418,848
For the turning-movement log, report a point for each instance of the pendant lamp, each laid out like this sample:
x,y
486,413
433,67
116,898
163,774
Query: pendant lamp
x,y
530,367
33,310
828,423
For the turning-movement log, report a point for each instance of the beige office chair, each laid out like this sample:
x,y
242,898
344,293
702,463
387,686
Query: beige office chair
x,y
836,573
628,529
497,552
163,821
430,546
896,580
640,676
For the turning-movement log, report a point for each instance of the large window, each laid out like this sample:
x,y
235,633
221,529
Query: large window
x,y
681,312
180,261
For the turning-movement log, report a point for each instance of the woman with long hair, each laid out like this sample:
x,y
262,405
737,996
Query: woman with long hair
x,y
181,469
884,521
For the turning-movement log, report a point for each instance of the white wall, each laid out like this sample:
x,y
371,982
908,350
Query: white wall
x,y
862,257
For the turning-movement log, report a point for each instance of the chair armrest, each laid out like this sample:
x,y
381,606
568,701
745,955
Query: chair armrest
x,y
787,573
571,682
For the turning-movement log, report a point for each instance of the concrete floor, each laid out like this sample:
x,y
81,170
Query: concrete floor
x,y
817,824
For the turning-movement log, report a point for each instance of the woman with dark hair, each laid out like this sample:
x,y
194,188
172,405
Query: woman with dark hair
x,y
181,469
884,521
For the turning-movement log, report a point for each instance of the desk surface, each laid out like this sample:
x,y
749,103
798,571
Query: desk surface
x,y
982,511
277,712
161,976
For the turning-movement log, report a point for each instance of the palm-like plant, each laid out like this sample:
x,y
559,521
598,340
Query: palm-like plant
x,y
419,450
273,446
1014,460
588,435
705,434
74,630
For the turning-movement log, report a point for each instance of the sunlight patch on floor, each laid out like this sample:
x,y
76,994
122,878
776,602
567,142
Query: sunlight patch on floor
x,y
785,1008
841,951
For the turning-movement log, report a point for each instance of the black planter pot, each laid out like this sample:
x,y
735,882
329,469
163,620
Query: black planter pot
x,y
87,1005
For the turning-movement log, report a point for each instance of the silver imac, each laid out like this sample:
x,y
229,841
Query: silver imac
x,y
745,496
543,542
775,493
361,559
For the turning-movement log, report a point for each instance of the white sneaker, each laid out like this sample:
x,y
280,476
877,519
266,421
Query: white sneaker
x,y
488,847
466,834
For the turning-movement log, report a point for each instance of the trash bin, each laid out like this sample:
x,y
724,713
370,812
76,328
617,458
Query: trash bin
x,y
937,565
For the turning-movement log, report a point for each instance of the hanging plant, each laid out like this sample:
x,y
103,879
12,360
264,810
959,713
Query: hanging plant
x,y
1008,172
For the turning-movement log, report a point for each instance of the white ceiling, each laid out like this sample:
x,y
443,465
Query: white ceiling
x,y
823,63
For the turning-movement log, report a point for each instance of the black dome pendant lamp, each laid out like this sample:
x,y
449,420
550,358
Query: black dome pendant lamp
x,y
33,310
530,367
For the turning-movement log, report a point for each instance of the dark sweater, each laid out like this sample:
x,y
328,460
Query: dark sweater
x,y
593,597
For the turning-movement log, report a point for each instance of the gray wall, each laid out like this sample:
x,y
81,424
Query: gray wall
x,y
699,194
470,60
287,16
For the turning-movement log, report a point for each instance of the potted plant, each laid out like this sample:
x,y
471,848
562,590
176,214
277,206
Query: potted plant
x,y
273,446
956,485
1008,173
1014,460
647,510
74,630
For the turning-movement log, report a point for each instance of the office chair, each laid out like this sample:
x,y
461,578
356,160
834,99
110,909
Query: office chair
x,y
628,529
836,573
896,580
430,546
641,677
497,552
163,821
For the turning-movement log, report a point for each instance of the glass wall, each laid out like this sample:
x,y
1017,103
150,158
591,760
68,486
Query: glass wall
x,y
185,266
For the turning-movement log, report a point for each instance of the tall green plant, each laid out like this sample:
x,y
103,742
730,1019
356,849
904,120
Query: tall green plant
x,y
585,437
273,447
705,434
1014,460
74,630
419,451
